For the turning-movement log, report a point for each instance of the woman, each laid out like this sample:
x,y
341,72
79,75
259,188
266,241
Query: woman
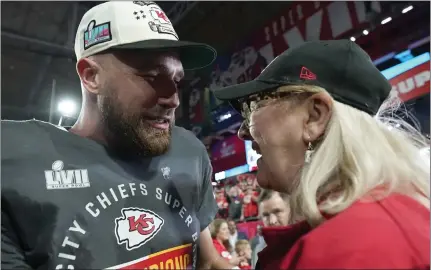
x,y
359,191
220,236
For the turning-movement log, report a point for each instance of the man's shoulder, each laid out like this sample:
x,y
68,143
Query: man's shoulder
x,y
17,130
184,138
23,136
24,126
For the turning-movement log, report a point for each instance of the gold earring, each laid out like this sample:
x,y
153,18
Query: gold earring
x,y
309,152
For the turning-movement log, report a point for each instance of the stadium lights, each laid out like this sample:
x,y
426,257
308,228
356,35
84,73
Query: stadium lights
x,y
66,108
386,20
407,9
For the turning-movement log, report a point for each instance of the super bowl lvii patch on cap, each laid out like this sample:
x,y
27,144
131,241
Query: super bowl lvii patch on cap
x,y
97,33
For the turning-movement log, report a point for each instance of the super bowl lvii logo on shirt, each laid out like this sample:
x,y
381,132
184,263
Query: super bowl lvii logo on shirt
x,y
57,178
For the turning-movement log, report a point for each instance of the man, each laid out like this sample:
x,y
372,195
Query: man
x,y
222,203
234,195
124,187
234,234
274,211
257,238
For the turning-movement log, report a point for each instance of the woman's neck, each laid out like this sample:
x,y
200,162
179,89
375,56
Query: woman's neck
x,y
220,240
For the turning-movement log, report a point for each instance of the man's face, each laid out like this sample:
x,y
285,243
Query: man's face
x,y
274,211
232,226
138,100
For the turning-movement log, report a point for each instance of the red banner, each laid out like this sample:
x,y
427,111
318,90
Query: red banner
x,y
249,228
412,83
302,21
310,20
228,154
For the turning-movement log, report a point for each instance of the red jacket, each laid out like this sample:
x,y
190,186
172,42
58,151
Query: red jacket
x,y
393,233
221,250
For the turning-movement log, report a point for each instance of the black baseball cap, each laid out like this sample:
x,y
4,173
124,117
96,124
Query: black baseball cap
x,y
339,66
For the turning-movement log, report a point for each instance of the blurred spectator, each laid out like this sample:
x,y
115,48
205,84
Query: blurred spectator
x,y
220,235
243,249
249,203
234,234
222,203
258,238
234,198
274,211
237,197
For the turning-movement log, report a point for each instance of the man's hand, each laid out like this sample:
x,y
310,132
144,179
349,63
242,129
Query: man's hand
x,y
209,257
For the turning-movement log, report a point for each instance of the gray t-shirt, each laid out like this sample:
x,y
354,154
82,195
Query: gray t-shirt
x,y
68,204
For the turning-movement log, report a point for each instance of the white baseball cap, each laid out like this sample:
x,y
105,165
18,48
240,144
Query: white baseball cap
x,y
136,25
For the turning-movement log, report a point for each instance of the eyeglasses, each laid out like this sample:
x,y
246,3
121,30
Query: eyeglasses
x,y
251,103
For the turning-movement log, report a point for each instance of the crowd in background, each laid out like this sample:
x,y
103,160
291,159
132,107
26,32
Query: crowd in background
x,y
241,200
231,244
237,198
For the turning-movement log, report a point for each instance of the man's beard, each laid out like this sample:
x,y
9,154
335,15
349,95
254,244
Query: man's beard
x,y
129,133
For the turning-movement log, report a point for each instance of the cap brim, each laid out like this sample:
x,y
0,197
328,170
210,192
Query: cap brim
x,y
243,89
193,55
235,92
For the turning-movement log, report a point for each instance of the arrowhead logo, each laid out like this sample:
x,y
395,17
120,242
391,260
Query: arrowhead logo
x,y
159,16
306,74
136,227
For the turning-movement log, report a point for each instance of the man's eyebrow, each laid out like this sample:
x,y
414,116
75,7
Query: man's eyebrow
x,y
163,68
153,65
147,65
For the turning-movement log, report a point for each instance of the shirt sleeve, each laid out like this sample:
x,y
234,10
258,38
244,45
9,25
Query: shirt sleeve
x,y
207,204
12,256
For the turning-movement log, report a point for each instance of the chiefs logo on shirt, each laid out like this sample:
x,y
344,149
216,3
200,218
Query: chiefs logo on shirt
x,y
136,227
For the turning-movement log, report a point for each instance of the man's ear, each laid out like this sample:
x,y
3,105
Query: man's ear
x,y
89,73
319,112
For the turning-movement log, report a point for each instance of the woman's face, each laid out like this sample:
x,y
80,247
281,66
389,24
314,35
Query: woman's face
x,y
223,233
277,132
280,132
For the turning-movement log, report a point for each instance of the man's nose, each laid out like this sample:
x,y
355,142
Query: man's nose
x,y
272,219
170,102
244,132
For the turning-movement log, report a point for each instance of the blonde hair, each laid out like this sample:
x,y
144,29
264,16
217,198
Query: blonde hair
x,y
240,245
357,155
